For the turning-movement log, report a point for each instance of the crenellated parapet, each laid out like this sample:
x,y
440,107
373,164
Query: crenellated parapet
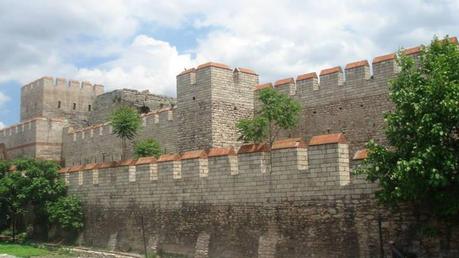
x,y
292,169
32,136
358,79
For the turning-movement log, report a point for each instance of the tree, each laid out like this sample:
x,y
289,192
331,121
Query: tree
x,y
278,112
126,123
33,187
147,148
420,165
66,211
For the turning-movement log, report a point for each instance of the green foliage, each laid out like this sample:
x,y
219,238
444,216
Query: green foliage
x,y
35,187
277,112
125,122
67,212
422,163
147,148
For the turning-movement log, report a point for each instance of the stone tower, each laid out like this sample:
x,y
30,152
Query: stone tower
x,y
51,98
210,101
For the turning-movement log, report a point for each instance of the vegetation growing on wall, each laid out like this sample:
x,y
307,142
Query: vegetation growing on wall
x,y
147,148
278,112
32,195
421,166
126,123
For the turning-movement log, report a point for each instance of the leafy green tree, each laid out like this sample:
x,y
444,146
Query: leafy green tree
x,y
420,166
33,187
278,112
66,212
126,123
147,148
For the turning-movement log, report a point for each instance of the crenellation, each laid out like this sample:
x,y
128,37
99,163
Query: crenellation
x,y
359,70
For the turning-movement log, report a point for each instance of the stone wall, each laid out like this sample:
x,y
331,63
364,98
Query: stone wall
x,y
97,143
352,102
215,203
57,98
143,101
39,137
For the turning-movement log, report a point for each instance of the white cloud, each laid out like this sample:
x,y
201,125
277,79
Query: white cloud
x,y
275,38
146,64
3,98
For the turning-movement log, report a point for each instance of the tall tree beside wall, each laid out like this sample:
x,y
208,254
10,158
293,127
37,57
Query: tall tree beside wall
x,y
278,112
126,123
420,167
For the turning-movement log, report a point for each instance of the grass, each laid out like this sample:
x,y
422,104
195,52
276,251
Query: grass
x,y
22,250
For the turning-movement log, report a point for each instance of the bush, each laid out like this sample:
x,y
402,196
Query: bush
x,y
147,148
66,212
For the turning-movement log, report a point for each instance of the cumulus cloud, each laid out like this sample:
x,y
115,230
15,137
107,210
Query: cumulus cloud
x,y
114,42
146,64
3,98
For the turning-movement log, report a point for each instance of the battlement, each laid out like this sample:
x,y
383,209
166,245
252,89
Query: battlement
x,y
358,79
48,81
321,164
155,117
202,73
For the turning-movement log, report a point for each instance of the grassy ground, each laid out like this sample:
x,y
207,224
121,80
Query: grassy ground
x,y
30,251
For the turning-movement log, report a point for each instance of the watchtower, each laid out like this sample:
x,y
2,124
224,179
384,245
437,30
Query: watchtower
x,y
51,98
211,99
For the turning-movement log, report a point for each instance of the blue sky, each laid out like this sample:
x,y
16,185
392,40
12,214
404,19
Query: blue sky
x,y
143,44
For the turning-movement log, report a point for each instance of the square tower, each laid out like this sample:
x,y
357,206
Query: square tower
x,y
211,99
51,98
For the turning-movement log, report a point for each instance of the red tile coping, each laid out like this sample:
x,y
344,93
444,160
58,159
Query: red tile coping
x,y
284,81
187,71
289,144
108,164
453,40
221,151
168,157
75,168
336,69
64,170
361,154
245,70
127,162
213,64
380,59
196,154
252,148
327,139
306,76
412,51
263,86
90,166
357,64
146,160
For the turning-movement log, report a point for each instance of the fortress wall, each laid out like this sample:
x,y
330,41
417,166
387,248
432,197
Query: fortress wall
x,y
57,98
97,143
199,203
36,138
143,101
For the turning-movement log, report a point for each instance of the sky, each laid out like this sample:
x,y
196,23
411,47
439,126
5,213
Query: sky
x,y
143,44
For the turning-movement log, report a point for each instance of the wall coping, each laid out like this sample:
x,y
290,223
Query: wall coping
x,y
357,64
213,64
221,151
384,58
253,148
360,154
196,154
146,160
306,76
263,86
336,69
284,81
168,157
328,139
